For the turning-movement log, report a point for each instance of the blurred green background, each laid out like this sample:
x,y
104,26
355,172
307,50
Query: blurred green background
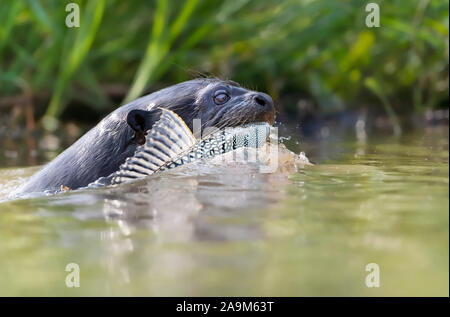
x,y
319,51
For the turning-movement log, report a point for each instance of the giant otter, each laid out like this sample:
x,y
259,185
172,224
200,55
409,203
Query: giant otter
x,y
105,147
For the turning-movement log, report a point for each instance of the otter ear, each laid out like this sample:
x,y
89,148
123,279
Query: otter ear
x,y
141,121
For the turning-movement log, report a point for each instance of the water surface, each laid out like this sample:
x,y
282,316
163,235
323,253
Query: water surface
x,y
234,231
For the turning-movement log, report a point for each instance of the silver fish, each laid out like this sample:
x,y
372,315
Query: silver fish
x,y
170,143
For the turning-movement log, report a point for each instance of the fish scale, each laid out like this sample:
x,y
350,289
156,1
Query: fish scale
x,y
170,143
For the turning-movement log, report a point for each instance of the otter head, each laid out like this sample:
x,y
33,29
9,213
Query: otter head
x,y
217,103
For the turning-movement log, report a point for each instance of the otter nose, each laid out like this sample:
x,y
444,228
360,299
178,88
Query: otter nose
x,y
263,107
263,100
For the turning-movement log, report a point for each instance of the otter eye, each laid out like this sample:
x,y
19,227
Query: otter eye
x,y
221,97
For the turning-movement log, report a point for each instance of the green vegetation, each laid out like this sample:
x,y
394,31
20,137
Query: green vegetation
x,y
318,50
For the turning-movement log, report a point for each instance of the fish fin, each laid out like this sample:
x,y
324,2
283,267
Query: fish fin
x,y
168,138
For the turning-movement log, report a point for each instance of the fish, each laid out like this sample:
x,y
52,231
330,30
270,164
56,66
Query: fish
x,y
170,144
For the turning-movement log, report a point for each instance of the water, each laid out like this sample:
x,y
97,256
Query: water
x,y
221,230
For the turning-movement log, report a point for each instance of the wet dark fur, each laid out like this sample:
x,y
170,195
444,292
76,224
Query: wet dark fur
x,y
104,148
